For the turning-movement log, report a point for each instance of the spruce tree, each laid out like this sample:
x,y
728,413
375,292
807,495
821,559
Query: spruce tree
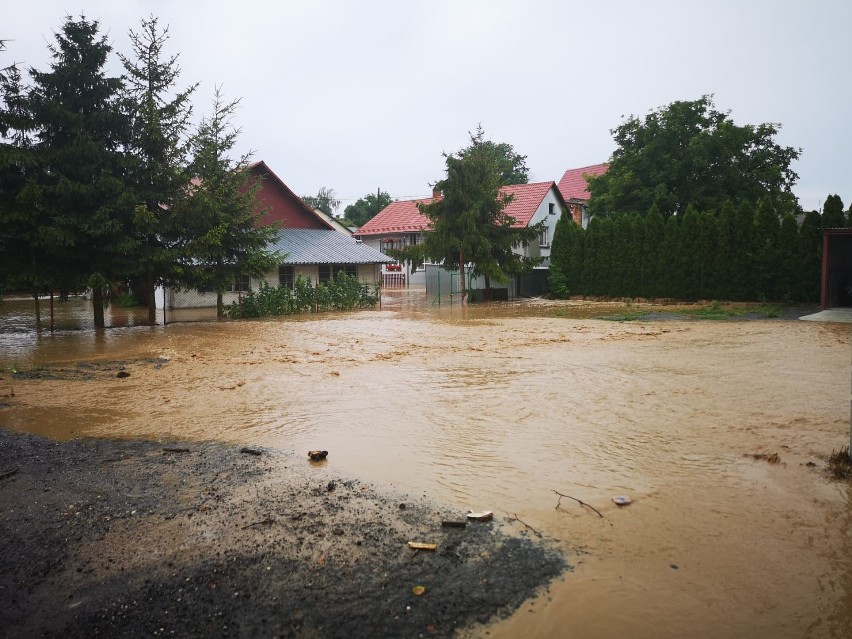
x,y
80,133
160,120
23,245
222,239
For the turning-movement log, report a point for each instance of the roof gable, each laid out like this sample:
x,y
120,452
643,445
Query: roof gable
x,y
405,217
282,206
573,185
527,198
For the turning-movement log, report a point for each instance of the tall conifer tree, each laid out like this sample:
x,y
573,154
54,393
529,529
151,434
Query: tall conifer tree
x,y
222,238
80,133
160,120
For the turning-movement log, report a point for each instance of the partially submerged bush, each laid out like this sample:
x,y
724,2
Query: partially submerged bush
x,y
840,465
342,293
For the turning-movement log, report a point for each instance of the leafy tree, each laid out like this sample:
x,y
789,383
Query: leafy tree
x,y
222,240
82,210
366,208
160,121
468,223
689,153
511,166
325,200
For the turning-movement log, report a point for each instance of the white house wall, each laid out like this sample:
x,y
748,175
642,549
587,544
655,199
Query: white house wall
x,y
543,213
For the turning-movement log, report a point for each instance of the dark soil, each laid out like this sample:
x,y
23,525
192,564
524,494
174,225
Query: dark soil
x,y
103,538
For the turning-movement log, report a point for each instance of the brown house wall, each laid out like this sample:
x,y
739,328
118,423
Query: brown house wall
x,y
282,206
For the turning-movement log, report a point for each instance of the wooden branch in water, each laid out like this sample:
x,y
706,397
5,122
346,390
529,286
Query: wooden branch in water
x,y
579,501
514,517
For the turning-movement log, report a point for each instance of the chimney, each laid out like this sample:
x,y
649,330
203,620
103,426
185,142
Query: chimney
x,y
436,193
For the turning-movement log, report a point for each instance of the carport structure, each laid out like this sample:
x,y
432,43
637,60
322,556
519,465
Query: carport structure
x,y
836,288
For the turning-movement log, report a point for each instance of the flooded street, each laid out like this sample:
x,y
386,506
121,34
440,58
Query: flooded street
x,y
495,408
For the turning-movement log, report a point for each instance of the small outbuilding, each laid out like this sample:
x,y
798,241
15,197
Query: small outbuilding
x,y
836,268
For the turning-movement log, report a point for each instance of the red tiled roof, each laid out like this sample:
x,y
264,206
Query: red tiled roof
x,y
573,185
527,199
397,217
404,216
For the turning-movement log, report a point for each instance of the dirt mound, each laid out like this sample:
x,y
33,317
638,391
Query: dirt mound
x,y
127,538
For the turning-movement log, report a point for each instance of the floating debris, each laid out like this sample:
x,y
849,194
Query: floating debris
x,y
772,458
317,455
485,515
622,500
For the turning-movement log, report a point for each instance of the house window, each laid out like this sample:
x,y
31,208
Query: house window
x,y
285,275
241,283
329,271
542,239
390,243
551,209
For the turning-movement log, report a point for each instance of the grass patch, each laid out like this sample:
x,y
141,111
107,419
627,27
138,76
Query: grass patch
x,y
840,465
717,311
625,317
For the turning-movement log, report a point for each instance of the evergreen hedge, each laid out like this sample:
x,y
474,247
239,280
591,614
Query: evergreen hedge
x,y
740,253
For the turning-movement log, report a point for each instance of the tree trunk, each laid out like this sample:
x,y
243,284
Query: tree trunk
x,y
463,282
220,306
37,312
151,297
98,306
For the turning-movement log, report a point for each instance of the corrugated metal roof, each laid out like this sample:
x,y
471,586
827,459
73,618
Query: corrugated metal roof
x,y
317,246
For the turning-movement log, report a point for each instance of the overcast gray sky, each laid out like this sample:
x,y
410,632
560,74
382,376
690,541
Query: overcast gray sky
x,y
360,95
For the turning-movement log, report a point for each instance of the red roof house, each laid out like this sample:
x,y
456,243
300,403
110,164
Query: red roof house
x,y
575,189
402,224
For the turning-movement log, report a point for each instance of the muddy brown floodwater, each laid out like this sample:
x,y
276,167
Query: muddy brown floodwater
x,y
496,408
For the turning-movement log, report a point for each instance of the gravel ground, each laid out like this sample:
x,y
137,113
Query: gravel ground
x,y
105,538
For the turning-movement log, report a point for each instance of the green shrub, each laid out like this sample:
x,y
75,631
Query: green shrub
x,y
342,293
